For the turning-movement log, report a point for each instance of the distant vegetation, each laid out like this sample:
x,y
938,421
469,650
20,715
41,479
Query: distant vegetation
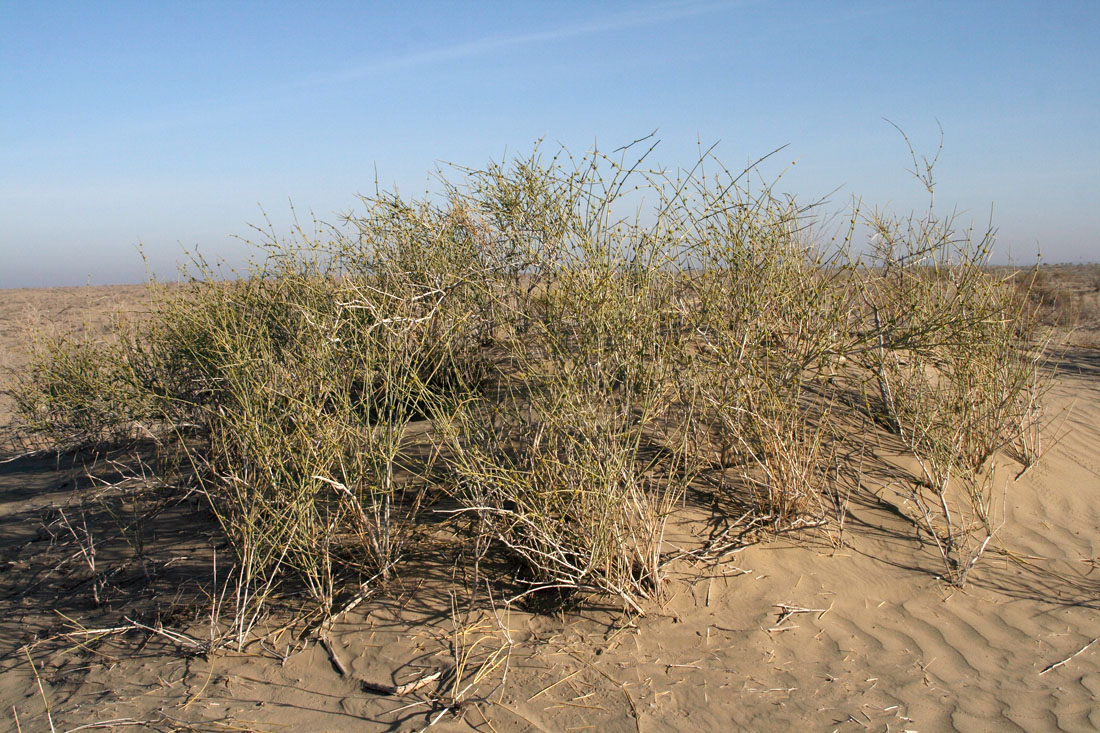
x,y
519,369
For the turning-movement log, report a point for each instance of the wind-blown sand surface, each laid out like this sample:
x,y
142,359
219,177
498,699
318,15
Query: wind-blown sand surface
x,y
787,634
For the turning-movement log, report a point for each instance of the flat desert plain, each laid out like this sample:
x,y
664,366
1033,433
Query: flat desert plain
x,y
103,611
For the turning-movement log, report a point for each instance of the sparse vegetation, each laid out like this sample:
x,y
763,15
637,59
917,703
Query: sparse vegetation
x,y
553,379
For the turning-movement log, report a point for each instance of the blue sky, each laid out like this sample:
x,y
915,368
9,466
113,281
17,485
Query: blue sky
x,y
167,124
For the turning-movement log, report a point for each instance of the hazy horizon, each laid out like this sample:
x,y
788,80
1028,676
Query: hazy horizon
x,y
169,126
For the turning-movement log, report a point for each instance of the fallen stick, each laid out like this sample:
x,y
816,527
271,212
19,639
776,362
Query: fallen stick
x,y
333,656
788,611
384,689
552,685
1056,665
399,690
173,636
798,609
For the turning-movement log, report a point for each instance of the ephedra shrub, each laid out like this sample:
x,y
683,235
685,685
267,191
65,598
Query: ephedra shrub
x,y
291,396
955,356
574,463
956,366
79,391
771,317
300,384
525,352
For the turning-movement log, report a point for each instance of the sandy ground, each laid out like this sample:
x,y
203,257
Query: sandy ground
x,y
790,634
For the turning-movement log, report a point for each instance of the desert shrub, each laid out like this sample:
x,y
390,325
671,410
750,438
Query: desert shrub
x,y
562,373
953,354
572,464
1056,301
771,315
80,393
306,378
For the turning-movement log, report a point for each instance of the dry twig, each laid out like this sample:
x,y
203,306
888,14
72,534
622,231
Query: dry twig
x,y
1056,665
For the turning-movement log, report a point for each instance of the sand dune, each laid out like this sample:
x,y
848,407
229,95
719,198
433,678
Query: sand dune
x,y
786,634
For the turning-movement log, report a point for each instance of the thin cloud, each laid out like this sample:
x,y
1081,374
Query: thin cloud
x,y
662,13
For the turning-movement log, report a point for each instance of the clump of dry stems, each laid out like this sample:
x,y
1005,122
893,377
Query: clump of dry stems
x,y
524,352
